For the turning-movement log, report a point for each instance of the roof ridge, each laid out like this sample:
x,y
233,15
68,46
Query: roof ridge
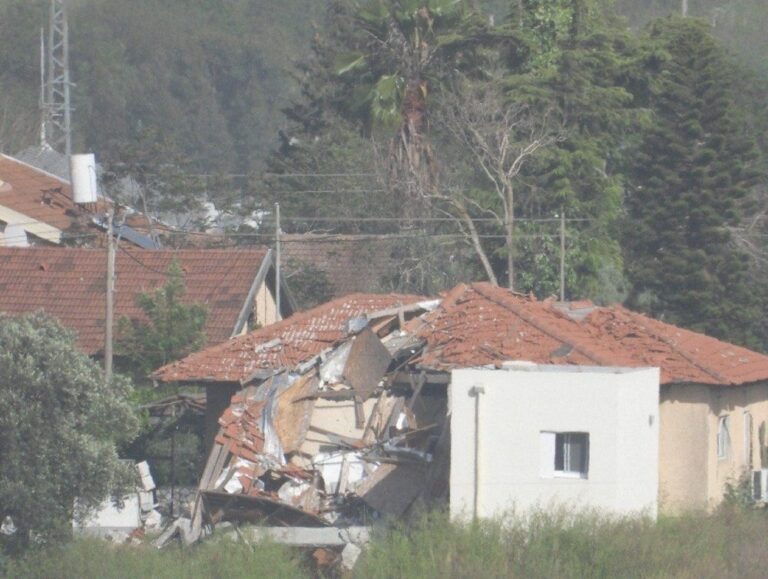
x,y
38,169
542,327
275,329
619,309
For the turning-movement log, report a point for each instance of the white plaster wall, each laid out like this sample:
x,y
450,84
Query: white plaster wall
x,y
619,408
110,518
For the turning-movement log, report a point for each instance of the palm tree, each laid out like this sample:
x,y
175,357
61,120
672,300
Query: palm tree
x,y
406,44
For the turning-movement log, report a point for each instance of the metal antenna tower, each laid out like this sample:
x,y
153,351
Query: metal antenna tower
x,y
57,107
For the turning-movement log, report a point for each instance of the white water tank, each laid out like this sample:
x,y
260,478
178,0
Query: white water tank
x,y
82,170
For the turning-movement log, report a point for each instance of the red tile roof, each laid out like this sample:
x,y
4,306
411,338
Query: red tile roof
x,y
279,345
70,284
35,193
47,198
480,324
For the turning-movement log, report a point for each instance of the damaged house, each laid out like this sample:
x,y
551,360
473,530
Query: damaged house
x,y
406,402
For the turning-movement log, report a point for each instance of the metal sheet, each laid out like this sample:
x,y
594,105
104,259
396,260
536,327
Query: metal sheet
x,y
367,362
392,488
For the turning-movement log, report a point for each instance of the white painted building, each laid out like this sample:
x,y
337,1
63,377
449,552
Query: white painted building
x,y
528,436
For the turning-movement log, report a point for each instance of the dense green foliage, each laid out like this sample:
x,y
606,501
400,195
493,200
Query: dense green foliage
x,y
209,75
369,141
693,169
172,330
59,424
549,545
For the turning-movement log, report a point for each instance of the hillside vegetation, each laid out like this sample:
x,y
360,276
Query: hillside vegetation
x,y
463,130
212,75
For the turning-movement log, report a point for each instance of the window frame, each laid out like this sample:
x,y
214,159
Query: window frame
x,y
723,437
557,446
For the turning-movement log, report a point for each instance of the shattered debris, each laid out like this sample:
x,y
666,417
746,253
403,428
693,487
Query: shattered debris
x,y
7,527
126,520
334,442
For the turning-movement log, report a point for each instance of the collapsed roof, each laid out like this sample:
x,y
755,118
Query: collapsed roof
x,y
479,324
281,345
352,422
333,441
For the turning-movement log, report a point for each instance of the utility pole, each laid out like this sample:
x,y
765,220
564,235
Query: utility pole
x,y
277,260
562,255
109,314
57,106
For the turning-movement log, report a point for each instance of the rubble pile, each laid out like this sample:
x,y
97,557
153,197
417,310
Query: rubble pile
x,y
341,440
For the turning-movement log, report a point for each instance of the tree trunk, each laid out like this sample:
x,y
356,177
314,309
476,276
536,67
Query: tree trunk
x,y
478,247
509,216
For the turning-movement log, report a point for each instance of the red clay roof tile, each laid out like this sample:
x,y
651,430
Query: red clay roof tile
x,y
523,328
279,345
480,324
35,193
69,284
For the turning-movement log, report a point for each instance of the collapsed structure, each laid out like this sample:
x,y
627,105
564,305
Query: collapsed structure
x,y
345,419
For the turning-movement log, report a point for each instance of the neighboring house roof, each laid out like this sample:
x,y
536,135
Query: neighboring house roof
x,y
41,203
351,263
46,158
69,284
480,324
284,344
33,192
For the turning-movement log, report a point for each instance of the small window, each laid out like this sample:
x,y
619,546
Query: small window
x,y
565,454
723,438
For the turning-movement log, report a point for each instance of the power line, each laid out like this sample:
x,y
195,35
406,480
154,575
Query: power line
x,y
429,219
141,263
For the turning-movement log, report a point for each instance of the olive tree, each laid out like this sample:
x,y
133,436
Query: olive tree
x,y
60,423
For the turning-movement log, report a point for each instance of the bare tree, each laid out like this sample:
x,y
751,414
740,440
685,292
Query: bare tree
x,y
499,137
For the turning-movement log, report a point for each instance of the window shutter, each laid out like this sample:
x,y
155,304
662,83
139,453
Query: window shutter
x,y
547,454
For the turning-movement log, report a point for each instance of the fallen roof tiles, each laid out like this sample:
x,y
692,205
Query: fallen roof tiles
x,y
497,325
301,336
479,324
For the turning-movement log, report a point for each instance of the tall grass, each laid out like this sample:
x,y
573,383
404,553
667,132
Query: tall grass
x,y
558,543
552,543
95,559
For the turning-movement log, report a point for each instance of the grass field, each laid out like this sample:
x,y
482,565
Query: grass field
x,y
546,544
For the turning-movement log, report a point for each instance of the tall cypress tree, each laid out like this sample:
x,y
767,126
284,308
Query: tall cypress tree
x,y
694,167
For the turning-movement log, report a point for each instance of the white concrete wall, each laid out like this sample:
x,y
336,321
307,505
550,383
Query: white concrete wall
x,y
108,518
618,407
